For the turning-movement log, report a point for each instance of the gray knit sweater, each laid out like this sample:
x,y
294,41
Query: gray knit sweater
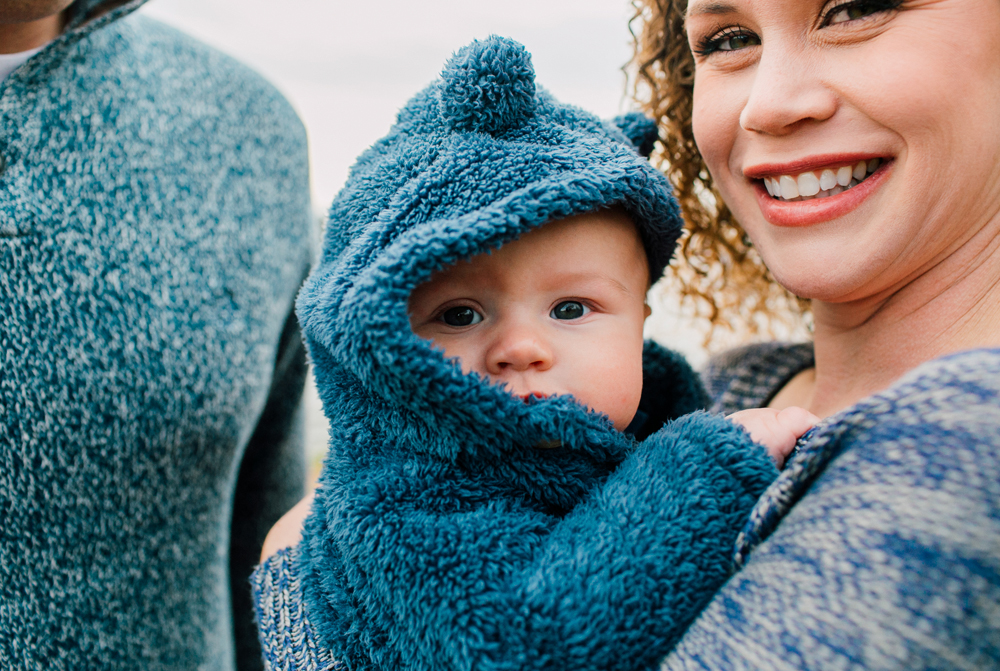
x,y
154,227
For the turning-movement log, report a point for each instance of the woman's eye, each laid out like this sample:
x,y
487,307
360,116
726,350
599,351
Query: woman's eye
x,y
569,310
730,39
737,42
858,9
461,316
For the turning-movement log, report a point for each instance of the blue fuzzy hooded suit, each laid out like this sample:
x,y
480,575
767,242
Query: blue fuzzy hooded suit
x,y
442,536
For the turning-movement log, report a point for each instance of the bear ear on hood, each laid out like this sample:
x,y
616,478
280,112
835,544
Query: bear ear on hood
x,y
640,130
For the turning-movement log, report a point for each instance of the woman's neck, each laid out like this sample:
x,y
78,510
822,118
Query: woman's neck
x,y
864,346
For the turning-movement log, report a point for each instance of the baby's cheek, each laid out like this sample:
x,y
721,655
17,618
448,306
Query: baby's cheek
x,y
622,386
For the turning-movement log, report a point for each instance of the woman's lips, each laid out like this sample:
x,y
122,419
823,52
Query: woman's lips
x,y
816,210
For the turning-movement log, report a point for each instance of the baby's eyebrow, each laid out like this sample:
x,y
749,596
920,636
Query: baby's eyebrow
x,y
581,276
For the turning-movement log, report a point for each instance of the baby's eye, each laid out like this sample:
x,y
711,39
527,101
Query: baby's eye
x,y
569,310
461,316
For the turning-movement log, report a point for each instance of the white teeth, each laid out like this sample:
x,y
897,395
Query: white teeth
x,y
808,184
789,188
827,180
844,175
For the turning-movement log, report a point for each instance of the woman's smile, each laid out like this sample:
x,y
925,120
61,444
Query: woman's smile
x,y
790,197
831,180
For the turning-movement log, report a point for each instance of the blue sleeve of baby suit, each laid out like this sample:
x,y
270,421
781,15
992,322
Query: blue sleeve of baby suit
x,y
621,578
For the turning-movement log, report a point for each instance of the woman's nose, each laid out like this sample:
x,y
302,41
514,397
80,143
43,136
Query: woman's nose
x,y
518,348
786,92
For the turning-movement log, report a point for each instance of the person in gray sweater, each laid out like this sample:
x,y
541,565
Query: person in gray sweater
x,y
154,228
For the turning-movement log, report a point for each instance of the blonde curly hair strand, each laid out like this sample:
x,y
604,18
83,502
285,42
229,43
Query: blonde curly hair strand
x,y
719,273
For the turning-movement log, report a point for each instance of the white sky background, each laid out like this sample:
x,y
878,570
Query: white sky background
x,y
348,67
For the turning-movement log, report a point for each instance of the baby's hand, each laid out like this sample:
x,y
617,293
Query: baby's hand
x,y
777,430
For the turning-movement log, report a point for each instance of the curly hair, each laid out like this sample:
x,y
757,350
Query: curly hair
x,y
720,274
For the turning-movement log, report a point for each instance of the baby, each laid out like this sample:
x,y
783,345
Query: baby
x,y
515,479
560,311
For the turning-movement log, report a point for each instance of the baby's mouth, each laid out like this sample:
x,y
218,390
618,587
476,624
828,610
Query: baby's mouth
x,y
822,183
532,396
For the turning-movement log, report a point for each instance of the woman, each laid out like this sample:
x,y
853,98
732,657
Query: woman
x,y
858,146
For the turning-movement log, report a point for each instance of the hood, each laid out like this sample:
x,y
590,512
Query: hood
x,y
476,159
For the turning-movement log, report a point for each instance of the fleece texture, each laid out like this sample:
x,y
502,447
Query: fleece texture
x,y
154,228
443,535
878,546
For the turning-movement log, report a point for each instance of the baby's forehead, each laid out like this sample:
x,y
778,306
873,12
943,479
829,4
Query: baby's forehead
x,y
604,241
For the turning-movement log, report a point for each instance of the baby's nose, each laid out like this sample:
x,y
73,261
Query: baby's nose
x,y
518,349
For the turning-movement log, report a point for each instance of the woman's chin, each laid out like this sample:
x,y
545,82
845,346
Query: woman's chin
x,y
839,285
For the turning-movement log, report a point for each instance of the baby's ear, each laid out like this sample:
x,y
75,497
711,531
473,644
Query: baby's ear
x,y
640,130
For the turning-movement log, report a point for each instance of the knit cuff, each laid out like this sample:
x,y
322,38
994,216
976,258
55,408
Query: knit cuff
x,y
288,640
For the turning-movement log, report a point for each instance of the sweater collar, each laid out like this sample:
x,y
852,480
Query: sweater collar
x,y
82,14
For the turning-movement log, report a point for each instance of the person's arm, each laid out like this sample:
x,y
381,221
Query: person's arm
x,y
891,558
610,586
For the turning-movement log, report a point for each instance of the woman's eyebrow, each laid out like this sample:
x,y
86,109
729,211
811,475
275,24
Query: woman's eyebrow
x,y
700,8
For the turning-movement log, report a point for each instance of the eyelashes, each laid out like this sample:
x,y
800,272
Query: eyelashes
x,y
731,38
737,37
857,9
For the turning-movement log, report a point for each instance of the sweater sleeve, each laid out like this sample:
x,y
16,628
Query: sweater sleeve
x,y
611,585
288,638
890,559
621,577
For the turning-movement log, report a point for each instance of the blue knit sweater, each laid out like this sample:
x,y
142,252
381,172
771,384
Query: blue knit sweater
x,y
154,227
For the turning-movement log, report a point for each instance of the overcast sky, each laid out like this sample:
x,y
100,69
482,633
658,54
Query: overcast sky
x,y
348,67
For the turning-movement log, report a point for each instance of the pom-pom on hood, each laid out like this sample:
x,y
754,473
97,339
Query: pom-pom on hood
x,y
477,158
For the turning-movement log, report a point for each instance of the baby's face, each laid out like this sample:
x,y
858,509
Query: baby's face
x,y
558,311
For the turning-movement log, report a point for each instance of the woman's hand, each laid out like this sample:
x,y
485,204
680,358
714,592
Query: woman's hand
x,y
287,531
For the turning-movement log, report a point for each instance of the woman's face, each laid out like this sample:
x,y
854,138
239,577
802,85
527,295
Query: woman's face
x,y
856,141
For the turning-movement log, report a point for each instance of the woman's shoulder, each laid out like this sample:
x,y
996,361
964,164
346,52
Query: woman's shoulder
x,y
923,431
748,376
877,546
